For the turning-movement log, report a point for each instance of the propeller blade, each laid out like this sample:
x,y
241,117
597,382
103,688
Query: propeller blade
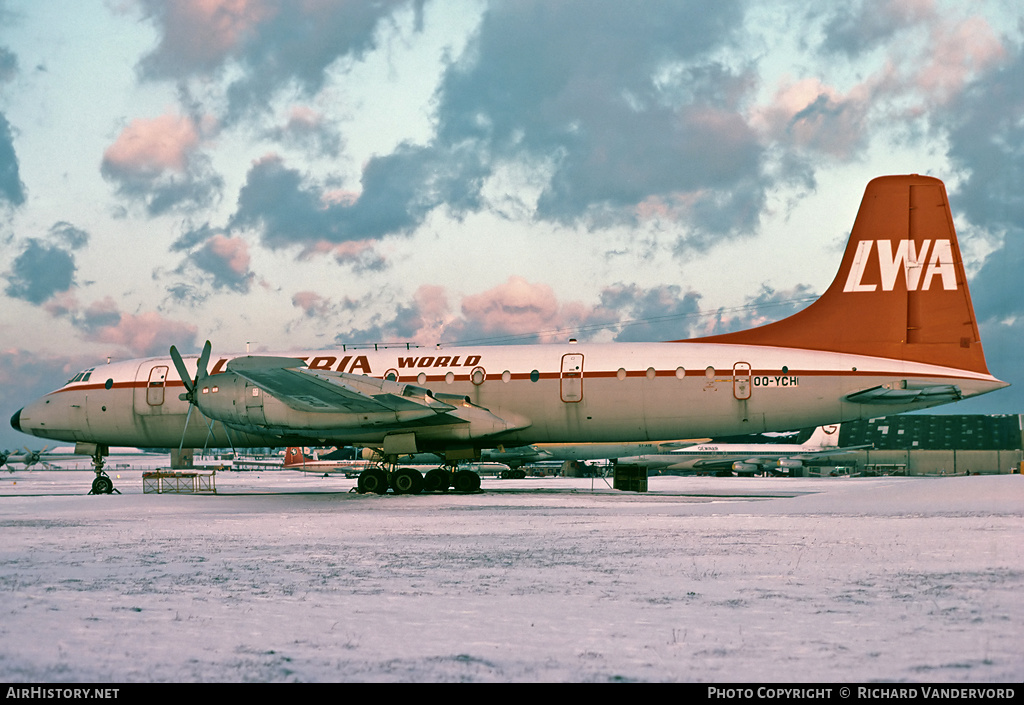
x,y
190,384
179,365
204,358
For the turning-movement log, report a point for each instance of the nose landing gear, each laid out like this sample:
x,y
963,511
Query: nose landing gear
x,y
102,484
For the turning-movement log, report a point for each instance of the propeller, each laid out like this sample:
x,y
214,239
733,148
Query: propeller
x,y
191,384
33,456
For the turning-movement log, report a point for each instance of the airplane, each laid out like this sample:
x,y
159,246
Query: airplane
x,y
537,452
894,332
28,458
46,455
295,458
744,458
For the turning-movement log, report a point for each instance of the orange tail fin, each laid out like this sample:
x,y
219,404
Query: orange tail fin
x,y
293,456
901,291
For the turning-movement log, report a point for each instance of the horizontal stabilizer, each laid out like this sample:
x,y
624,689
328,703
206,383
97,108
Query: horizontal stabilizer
x,y
907,394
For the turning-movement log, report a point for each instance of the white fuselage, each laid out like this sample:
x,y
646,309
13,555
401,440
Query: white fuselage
x,y
578,393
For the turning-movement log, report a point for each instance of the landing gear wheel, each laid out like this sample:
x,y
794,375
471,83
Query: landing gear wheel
x,y
437,480
102,485
372,480
406,481
466,481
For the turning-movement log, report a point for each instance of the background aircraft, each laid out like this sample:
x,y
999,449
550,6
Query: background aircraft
x,y
46,456
295,458
538,452
744,458
28,458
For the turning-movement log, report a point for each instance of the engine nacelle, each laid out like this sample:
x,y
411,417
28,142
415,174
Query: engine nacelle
x,y
745,468
789,463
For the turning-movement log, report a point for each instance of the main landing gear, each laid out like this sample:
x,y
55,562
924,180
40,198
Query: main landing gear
x,y
375,479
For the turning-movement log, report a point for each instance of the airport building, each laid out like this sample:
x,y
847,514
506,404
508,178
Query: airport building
x,y
922,444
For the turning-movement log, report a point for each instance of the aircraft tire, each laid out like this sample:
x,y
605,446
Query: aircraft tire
x,y
466,481
372,480
437,480
407,481
102,485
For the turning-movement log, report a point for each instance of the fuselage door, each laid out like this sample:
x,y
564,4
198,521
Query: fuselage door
x,y
254,405
156,385
572,378
741,382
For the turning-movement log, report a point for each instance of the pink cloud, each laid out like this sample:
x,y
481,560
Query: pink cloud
x,y
518,307
63,303
304,117
151,147
203,32
959,51
234,251
145,334
311,303
816,116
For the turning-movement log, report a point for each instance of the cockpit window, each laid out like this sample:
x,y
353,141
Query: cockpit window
x,y
82,376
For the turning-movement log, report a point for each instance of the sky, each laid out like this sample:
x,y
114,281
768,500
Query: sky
x,y
304,173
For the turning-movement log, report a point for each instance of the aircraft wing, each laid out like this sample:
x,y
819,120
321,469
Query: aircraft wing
x,y
304,389
669,446
356,398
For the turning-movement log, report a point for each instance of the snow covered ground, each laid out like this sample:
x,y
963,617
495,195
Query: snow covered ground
x,y
286,577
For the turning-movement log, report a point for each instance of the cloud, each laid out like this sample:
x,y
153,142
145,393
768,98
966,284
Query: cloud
x,y
766,307
398,191
309,130
985,136
615,125
12,190
148,148
312,304
46,267
814,118
858,27
147,333
959,51
157,161
40,271
522,311
227,260
275,43
618,116
645,315
197,36
69,235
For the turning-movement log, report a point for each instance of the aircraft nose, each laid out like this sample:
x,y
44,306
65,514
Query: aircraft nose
x,y
16,420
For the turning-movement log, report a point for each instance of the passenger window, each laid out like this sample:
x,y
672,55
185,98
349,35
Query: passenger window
x,y
534,376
